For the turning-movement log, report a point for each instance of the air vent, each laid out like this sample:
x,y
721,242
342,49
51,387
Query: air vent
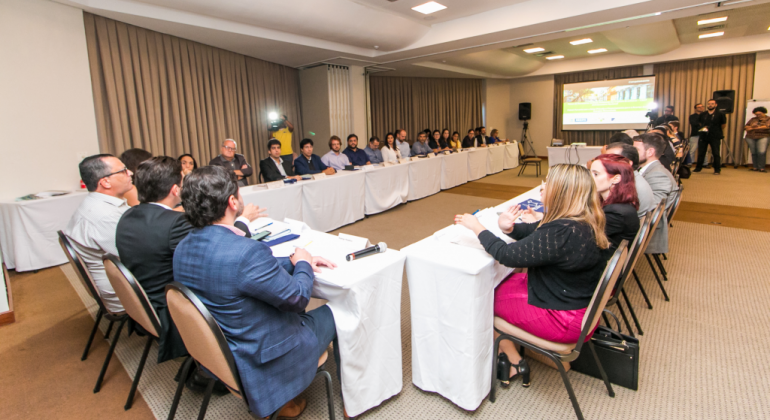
x,y
711,28
544,53
392,1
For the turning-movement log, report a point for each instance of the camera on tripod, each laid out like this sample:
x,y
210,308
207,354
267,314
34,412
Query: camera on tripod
x,y
276,120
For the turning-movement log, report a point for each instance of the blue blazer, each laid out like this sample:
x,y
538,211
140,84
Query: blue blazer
x,y
302,168
256,299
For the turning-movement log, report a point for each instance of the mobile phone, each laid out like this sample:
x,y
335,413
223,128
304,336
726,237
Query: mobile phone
x,y
261,235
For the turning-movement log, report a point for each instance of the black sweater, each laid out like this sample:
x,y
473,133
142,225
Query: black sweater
x,y
622,223
564,262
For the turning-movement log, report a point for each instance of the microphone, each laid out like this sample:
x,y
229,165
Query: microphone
x,y
380,247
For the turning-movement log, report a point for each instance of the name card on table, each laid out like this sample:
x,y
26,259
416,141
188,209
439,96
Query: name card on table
x,y
386,164
430,155
447,152
403,160
319,176
273,185
415,158
356,241
367,168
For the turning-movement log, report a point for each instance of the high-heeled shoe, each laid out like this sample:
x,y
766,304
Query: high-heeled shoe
x,y
504,367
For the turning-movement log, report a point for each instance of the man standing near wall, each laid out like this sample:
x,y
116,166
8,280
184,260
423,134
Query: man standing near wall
x,y
713,125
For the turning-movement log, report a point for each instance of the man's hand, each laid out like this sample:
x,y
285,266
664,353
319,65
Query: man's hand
x,y
297,177
329,171
252,212
322,262
239,173
301,254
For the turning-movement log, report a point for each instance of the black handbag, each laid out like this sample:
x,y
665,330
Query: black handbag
x,y
684,172
618,353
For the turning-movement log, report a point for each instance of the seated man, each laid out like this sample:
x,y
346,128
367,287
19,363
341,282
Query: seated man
x,y
669,154
92,228
334,158
275,168
481,136
235,162
308,163
470,139
421,146
373,152
403,145
148,234
651,148
357,156
256,299
643,191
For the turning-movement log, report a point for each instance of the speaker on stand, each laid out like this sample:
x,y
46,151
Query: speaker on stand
x,y
725,100
525,114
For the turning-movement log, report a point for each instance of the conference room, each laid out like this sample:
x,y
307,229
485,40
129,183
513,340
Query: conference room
x,y
384,210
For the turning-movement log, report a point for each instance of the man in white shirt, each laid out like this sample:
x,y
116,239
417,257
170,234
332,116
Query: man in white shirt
x,y
335,158
92,228
402,144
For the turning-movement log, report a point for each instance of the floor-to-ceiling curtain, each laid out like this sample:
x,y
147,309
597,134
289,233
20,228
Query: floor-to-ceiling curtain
x,y
683,84
172,96
590,137
415,104
339,100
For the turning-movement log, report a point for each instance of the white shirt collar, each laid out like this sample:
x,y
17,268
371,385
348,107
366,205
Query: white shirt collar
x,y
162,205
115,201
644,168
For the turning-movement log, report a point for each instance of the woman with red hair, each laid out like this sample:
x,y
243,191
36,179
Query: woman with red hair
x,y
614,180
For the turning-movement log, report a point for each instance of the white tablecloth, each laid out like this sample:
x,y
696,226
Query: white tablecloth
x,y
386,187
477,163
280,202
511,155
451,291
495,159
335,201
365,297
567,154
424,179
454,170
28,238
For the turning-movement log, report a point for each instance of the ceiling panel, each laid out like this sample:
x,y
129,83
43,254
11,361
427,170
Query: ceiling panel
x,y
455,8
745,21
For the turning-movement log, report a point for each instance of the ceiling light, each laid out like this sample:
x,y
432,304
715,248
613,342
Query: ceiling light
x,y
533,50
582,41
658,14
596,51
554,57
429,7
711,35
712,20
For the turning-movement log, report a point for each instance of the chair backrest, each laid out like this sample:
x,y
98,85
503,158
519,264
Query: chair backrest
x,y
603,291
82,272
521,151
634,251
202,336
657,215
131,295
675,206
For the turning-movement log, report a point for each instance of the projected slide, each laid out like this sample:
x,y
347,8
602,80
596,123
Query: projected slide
x,y
608,104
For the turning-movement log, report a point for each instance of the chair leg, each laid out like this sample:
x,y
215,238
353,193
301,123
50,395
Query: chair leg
x,y
633,313
138,374
206,398
607,383
664,257
641,288
329,397
109,328
93,333
660,265
657,278
567,385
625,319
98,386
495,349
180,387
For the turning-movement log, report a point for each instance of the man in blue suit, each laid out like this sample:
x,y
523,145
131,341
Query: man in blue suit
x,y
258,300
307,163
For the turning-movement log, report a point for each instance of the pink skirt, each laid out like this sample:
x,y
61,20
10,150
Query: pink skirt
x,y
549,324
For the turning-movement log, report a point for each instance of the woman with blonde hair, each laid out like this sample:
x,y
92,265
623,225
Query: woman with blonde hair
x,y
565,254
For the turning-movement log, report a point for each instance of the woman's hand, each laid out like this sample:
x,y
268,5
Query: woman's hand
x,y
531,216
471,222
508,218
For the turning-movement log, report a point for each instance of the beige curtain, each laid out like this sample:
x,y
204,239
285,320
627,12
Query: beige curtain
x,y
597,137
415,104
171,96
684,84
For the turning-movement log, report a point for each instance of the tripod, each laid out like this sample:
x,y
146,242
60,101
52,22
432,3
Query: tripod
x,y
526,142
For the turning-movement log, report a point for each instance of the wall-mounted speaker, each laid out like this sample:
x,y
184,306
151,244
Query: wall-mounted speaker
x,y
525,111
725,100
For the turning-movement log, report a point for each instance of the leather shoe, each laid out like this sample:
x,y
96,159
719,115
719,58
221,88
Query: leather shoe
x,y
292,409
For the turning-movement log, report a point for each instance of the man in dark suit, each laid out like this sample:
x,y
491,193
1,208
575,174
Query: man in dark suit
x,y
307,163
276,168
148,234
234,162
258,300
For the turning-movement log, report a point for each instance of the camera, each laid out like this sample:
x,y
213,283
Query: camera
x,y
652,114
275,120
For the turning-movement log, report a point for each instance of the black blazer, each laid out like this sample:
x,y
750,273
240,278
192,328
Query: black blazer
x,y
270,171
146,238
468,142
622,223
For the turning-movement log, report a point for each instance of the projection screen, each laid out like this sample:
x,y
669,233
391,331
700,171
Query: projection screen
x,y
617,104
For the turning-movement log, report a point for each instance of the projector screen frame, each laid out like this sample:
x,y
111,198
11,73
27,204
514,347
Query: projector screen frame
x,y
635,126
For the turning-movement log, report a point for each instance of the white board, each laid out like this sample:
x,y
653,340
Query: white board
x,y
751,104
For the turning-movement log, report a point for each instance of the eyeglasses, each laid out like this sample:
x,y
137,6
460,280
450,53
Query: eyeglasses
x,y
125,169
232,149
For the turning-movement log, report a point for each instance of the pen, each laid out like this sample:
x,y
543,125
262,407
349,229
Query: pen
x,y
263,226
474,213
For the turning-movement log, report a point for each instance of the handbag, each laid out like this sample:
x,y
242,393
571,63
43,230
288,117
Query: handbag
x,y
618,353
683,172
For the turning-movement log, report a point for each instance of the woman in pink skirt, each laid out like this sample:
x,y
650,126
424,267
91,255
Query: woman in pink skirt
x,y
565,254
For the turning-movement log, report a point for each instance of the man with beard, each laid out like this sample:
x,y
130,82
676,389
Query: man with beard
x,y
712,130
335,158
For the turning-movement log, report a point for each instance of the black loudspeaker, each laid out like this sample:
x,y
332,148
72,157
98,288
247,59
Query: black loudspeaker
x,y
725,100
525,111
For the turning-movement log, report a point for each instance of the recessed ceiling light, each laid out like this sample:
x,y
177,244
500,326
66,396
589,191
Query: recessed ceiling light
x,y
658,14
711,35
712,20
554,57
596,51
429,7
582,41
533,50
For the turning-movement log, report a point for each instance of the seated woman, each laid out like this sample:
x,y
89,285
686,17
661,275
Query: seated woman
x,y
614,179
132,158
565,254
390,152
446,137
494,136
455,142
437,143
188,164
